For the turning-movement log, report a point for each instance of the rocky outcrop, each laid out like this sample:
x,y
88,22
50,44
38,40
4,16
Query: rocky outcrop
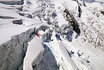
x,y
12,2
6,17
25,14
19,22
13,51
102,11
72,21
45,60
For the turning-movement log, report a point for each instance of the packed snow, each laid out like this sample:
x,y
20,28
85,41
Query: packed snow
x,y
34,48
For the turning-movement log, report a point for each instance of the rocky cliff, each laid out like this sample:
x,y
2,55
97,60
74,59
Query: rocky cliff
x,y
13,51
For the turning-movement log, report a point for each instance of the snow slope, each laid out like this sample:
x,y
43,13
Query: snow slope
x,y
7,28
34,48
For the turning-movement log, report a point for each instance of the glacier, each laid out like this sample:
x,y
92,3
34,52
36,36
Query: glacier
x,y
51,35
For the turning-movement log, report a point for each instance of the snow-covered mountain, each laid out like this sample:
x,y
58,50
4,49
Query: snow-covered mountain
x,y
51,34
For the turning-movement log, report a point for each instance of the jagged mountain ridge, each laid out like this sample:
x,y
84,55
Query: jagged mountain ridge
x,y
67,41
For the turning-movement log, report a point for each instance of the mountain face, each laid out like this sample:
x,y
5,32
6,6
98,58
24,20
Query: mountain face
x,y
51,35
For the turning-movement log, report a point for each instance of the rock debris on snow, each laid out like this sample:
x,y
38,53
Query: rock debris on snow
x,y
51,34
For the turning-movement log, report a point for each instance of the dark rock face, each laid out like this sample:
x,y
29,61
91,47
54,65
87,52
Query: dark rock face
x,y
12,52
22,14
12,2
45,60
70,18
20,8
43,27
54,14
19,22
102,11
29,16
6,17
26,15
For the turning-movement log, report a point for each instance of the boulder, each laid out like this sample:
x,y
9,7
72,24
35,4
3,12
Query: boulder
x,y
102,11
19,8
19,22
54,14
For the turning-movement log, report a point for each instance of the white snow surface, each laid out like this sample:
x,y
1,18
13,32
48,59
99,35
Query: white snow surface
x,y
33,50
7,28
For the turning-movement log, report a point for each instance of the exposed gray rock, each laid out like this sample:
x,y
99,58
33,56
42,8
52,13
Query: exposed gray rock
x,y
45,60
72,21
19,8
25,14
102,11
13,51
19,22
6,17
43,27
12,2
54,14
22,14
